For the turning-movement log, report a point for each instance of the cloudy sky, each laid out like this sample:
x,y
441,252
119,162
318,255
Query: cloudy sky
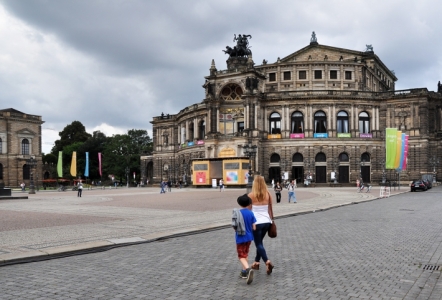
x,y
115,64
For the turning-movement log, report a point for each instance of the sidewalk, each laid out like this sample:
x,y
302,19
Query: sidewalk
x,y
56,224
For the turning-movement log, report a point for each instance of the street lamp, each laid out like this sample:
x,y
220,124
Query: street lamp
x,y
250,151
32,163
434,161
382,164
309,163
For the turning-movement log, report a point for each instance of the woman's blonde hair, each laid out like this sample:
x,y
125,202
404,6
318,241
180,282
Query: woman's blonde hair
x,y
259,188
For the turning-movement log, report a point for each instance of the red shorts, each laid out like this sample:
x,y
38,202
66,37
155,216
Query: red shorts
x,y
243,249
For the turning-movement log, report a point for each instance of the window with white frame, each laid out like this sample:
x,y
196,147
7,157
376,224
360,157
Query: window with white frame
x,y
342,122
364,122
297,125
320,122
275,123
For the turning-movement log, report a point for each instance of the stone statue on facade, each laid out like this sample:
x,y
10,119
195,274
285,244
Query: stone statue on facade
x,y
313,38
439,87
369,48
242,46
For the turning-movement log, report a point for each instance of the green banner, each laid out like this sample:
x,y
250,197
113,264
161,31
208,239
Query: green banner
x,y
390,147
60,164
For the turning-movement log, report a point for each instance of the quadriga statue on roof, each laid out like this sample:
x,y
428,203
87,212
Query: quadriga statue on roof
x,y
242,46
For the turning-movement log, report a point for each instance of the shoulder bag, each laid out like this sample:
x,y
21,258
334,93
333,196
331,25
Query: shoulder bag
x,y
272,230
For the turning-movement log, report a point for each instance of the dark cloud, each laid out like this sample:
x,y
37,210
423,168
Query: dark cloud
x,y
122,62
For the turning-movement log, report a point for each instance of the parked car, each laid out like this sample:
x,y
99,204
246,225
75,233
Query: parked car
x,y
418,185
427,183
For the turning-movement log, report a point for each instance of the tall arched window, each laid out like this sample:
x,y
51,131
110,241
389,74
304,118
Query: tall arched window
x,y
364,123
297,125
342,122
26,172
365,157
275,158
191,131
320,122
275,123
25,147
202,130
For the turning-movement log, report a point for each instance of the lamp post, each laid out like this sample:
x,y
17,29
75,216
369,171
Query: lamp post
x,y
309,162
434,161
32,163
361,163
382,164
250,152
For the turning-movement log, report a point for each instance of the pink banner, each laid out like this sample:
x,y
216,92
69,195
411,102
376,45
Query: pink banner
x,y
404,163
99,163
296,135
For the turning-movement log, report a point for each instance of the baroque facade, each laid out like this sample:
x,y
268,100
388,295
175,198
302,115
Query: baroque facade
x,y
20,140
321,111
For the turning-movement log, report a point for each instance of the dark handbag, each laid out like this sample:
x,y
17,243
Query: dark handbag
x,y
272,229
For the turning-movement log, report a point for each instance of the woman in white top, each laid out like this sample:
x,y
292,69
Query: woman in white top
x,y
264,216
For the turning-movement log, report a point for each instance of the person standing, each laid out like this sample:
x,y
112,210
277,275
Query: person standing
x,y
169,186
243,222
264,217
22,185
291,190
162,185
80,189
273,183
278,189
221,185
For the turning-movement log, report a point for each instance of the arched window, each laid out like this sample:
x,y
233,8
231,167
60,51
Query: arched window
x,y
297,122
320,122
275,158
202,130
320,157
364,123
343,157
25,147
231,92
297,157
342,122
26,172
1,171
275,123
191,132
365,157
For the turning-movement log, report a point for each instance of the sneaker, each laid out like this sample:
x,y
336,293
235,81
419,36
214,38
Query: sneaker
x,y
249,276
243,274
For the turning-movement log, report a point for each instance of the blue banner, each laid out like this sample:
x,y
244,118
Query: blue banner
x,y
86,170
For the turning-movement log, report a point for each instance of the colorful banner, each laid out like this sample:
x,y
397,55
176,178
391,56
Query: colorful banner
x,y
99,163
60,164
397,157
86,169
402,151
390,147
74,164
404,163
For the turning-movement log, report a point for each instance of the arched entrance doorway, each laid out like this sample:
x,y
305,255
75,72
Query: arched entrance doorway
x,y
275,169
321,168
298,167
365,167
344,168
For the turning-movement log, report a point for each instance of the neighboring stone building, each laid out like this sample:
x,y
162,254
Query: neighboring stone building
x,y
320,111
20,140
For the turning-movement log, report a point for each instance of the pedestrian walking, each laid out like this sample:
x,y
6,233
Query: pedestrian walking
x,y
163,185
169,186
291,190
278,189
264,217
22,185
221,185
80,189
243,222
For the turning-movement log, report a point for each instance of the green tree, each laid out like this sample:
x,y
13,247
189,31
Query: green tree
x,y
73,133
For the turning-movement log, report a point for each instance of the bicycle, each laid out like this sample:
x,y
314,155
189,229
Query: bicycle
x,y
62,188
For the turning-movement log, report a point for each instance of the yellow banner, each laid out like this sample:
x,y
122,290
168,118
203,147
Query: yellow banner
x,y
74,164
